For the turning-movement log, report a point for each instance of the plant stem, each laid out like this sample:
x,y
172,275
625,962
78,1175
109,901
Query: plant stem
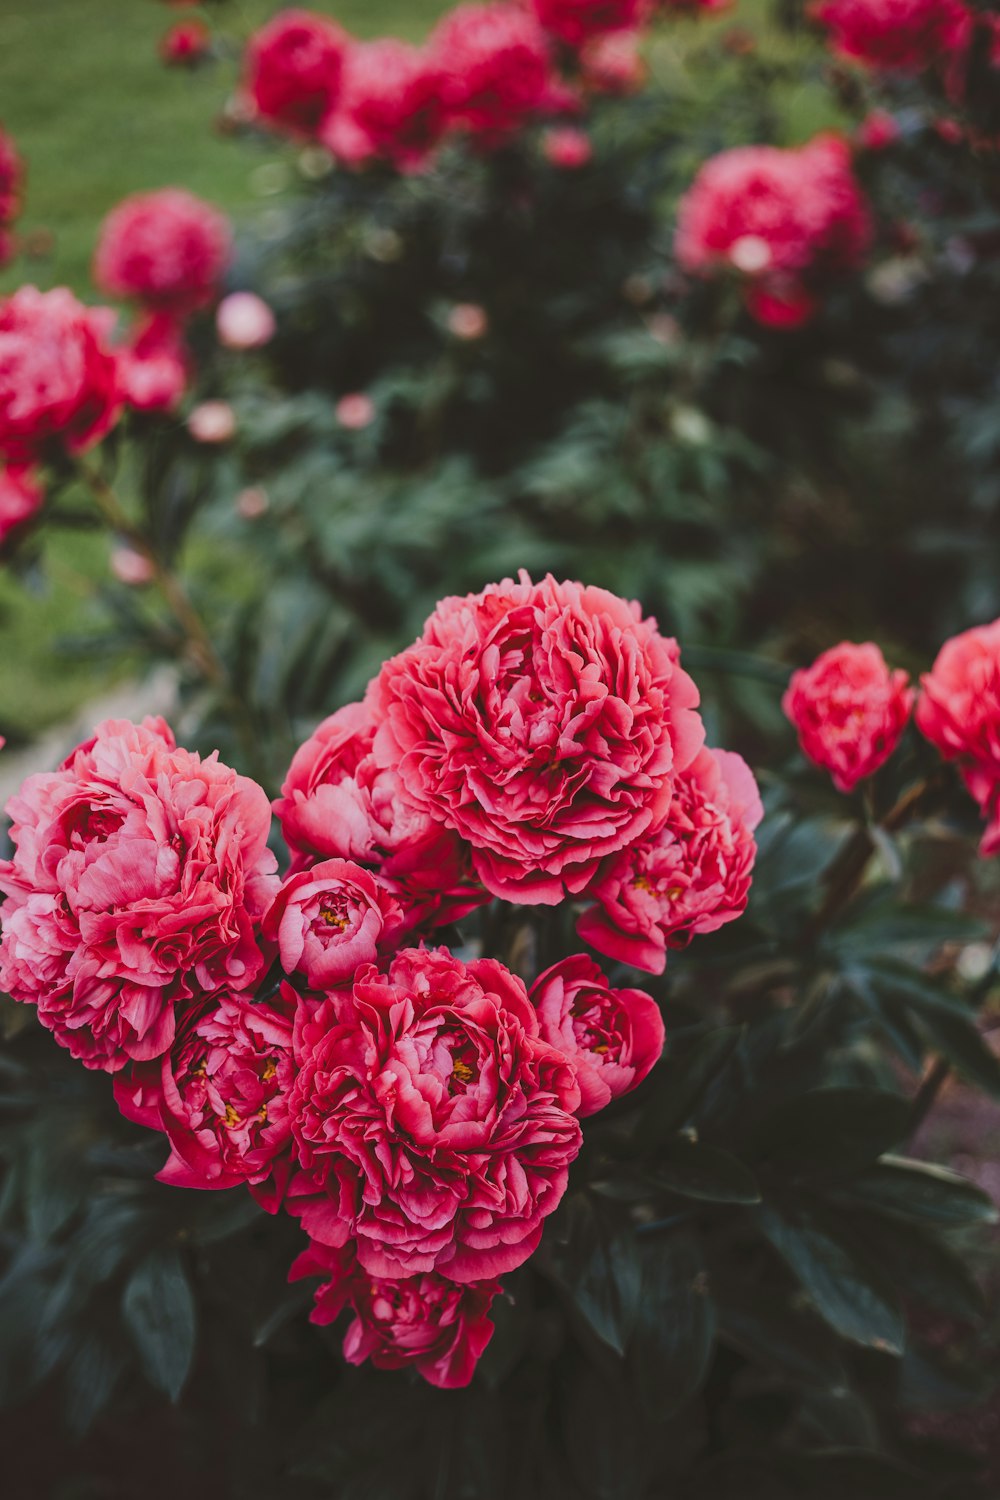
x,y
928,1091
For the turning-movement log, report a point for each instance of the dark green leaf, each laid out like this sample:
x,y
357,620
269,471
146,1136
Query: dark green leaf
x,y
921,1191
680,1084
672,1344
698,1171
834,1129
159,1312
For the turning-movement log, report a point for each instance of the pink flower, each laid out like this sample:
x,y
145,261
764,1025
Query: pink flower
x,y
614,1037
220,1095
427,1322
244,321
389,106
168,249
544,723
336,801
293,67
784,220
612,64
186,44
567,147
58,374
849,710
212,422
496,69
878,130
11,179
355,411
329,920
574,22
468,321
139,873
431,1123
153,365
959,712
21,497
691,876
131,567
897,35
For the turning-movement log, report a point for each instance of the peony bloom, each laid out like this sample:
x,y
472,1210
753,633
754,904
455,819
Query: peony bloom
x,y
878,130
21,497
153,365
427,1322
574,22
58,374
897,35
567,147
783,220
431,1122
496,69
613,1037
244,321
186,44
11,179
612,64
292,71
337,802
220,1095
388,108
168,249
691,876
329,920
849,710
468,321
212,422
355,411
544,723
959,712
138,875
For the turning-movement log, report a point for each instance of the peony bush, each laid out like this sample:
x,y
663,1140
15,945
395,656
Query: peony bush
x,y
526,1061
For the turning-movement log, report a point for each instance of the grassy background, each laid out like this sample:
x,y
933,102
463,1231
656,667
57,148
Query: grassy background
x,y
97,115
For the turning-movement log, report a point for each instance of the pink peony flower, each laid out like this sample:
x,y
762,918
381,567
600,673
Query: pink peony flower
x,y
244,321
427,1322
959,712
849,710
691,876
21,497
878,130
58,374
337,802
389,106
468,321
431,1122
329,920
212,422
293,69
355,411
612,63
139,873
186,44
153,365
168,249
567,147
220,1095
784,220
544,723
897,35
574,22
496,69
613,1037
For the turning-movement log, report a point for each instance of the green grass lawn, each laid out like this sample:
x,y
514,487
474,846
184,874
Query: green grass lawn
x,y
97,115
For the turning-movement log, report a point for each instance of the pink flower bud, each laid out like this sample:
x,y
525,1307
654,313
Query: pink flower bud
x,y
244,321
355,411
467,320
212,422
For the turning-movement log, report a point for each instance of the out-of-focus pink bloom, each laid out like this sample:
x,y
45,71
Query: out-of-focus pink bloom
x,y
355,411
212,422
468,321
566,146
244,321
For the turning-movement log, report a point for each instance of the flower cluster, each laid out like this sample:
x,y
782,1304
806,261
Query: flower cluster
x,y
785,221
418,1111
903,36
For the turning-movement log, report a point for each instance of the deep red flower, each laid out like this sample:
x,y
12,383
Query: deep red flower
x,y
168,249
186,44
496,70
575,22
292,70
389,106
896,35
21,497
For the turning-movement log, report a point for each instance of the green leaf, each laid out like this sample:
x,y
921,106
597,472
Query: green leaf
x,y
695,1170
772,1332
600,1270
671,1347
159,1311
846,1291
834,1129
923,1192
680,1083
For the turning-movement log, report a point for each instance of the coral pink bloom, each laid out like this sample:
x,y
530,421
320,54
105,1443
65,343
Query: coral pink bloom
x,y
389,106
329,920
168,249
21,497
691,876
293,68
58,374
139,873
784,220
897,35
220,1095
153,365
849,710
612,1036
431,1122
337,801
567,147
574,22
959,712
496,70
433,1325
544,723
